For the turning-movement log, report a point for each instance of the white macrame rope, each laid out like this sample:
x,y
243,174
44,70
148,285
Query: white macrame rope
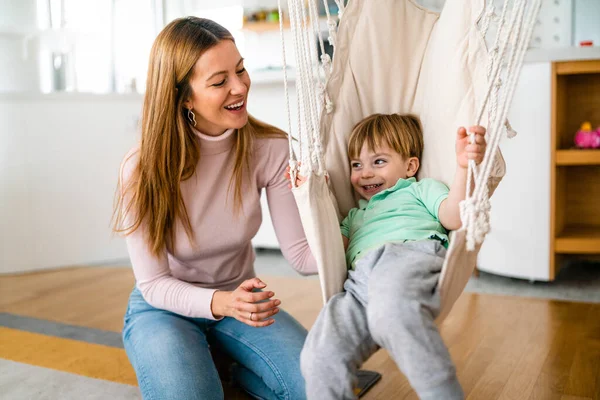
x,y
331,25
323,76
501,33
510,132
307,85
515,37
293,163
520,54
489,15
299,100
325,60
475,209
476,206
515,64
326,65
304,86
309,104
314,15
493,79
496,70
493,57
341,7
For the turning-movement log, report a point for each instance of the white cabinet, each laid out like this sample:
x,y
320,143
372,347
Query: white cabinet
x,y
519,242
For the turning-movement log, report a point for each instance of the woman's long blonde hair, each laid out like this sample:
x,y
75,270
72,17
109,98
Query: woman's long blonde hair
x,y
169,150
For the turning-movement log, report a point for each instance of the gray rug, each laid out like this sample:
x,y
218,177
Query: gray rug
x,y
28,382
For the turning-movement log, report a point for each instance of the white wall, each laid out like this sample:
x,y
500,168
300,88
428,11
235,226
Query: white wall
x,y
59,161
19,67
18,58
560,22
18,16
587,21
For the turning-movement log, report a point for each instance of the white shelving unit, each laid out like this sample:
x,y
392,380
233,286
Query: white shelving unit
x,y
519,242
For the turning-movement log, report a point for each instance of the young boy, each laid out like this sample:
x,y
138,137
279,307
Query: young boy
x,y
395,245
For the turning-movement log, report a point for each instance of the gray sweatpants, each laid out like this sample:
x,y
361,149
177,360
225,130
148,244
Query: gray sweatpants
x,y
391,300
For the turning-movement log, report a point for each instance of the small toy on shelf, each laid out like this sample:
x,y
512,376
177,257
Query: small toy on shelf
x,y
586,138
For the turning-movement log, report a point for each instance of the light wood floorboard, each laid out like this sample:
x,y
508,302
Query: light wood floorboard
x,y
504,347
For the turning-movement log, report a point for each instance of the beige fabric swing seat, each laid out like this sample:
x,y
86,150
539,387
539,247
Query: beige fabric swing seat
x,y
393,56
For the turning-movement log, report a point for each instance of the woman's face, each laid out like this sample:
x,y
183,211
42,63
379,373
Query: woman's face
x,y
220,85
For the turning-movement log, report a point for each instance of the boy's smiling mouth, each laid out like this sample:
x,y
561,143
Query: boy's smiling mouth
x,y
373,188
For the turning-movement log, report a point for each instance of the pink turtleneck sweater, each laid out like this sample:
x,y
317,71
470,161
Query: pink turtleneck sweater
x,y
183,281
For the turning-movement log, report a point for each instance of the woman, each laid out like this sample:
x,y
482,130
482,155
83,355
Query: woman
x,y
189,204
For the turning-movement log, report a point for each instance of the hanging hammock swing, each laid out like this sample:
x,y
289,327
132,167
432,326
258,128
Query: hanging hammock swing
x,y
393,56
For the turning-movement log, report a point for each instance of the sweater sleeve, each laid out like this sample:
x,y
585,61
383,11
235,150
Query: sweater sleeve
x,y
152,273
284,212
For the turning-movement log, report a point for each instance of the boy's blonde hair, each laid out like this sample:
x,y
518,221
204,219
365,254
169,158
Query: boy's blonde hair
x,y
402,133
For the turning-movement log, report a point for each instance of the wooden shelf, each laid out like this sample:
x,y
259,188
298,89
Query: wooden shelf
x,y
577,67
577,157
578,239
264,26
575,173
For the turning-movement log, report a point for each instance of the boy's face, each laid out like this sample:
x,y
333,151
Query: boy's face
x,y
378,169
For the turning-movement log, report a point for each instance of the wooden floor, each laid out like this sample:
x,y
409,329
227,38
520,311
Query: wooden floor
x,y
503,347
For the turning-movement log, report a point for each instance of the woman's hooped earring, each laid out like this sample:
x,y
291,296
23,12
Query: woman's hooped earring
x,y
191,117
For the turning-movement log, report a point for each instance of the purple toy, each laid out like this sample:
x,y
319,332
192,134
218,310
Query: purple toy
x,y
586,138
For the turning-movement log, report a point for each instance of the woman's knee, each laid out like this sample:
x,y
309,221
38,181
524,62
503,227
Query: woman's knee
x,y
293,388
171,358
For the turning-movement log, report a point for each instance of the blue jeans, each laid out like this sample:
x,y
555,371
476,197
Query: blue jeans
x,y
172,360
